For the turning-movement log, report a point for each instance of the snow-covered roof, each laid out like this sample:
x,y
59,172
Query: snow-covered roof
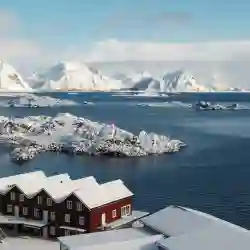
x,y
18,243
59,187
173,220
87,240
213,237
146,243
60,177
7,182
176,220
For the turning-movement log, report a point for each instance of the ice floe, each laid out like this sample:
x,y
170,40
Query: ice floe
x,y
76,135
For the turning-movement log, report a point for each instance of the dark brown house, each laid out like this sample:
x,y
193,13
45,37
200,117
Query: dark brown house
x,y
57,206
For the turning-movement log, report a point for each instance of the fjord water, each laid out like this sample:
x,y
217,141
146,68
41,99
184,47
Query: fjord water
x,y
211,174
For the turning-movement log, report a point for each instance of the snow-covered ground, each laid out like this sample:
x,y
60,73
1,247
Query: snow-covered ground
x,y
21,243
31,100
77,135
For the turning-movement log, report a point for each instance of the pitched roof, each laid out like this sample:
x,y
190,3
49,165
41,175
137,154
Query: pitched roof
x,y
7,182
59,187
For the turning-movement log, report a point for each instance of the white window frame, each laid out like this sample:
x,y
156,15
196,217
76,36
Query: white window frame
x,y
9,208
81,221
25,211
79,206
66,232
67,218
36,213
39,200
49,202
12,196
52,230
69,204
125,210
52,216
114,213
21,197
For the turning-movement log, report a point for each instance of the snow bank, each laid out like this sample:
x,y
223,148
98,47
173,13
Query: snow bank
x,y
70,134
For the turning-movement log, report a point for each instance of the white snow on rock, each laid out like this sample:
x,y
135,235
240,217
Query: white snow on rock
x,y
138,81
176,81
32,101
66,76
70,134
10,79
180,81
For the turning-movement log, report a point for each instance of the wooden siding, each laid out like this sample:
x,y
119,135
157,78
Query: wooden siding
x,y
92,218
96,213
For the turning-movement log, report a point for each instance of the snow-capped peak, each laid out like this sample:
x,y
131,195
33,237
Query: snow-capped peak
x,y
75,76
10,79
181,81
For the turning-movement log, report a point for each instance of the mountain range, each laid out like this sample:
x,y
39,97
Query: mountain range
x,y
76,76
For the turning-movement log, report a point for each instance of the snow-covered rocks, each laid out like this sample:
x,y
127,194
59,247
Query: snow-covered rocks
x,y
35,101
70,134
73,76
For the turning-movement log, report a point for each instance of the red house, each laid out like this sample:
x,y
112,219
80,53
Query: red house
x,y
58,206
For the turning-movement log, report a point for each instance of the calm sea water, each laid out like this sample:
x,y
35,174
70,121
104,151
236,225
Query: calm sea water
x,y
212,174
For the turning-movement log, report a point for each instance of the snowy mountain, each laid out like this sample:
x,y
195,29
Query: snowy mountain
x,y
10,80
181,81
74,76
138,81
177,81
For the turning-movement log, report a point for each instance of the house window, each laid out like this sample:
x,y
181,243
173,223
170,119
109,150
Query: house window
x,y
114,213
52,230
9,208
49,201
67,218
52,216
21,197
25,211
67,232
125,210
36,213
12,196
69,204
81,221
79,206
39,200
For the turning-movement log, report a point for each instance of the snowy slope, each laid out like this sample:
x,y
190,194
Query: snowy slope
x,y
10,80
177,81
138,81
181,81
74,76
